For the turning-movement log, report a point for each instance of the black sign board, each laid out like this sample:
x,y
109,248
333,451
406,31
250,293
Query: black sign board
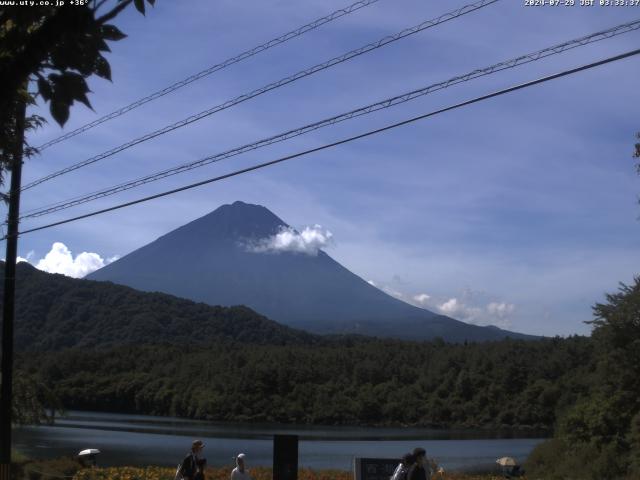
x,y
285,457
374,468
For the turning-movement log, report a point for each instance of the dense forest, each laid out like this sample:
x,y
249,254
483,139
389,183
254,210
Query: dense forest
x,y
349,381
96,345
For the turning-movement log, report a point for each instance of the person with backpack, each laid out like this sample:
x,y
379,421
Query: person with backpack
x,y
420,470
400,473
192,467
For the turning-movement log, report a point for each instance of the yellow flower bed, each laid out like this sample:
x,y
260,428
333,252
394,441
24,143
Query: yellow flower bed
x,y
258,473
125,473
162,473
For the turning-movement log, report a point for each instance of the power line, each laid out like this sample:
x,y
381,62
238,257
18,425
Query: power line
x,y
204,73
389,102
272,86
617,30
343,141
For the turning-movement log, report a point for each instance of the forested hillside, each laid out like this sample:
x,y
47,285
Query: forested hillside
x,y
348,381
55,312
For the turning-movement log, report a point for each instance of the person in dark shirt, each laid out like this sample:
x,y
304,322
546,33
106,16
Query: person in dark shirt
x,y
193,464
420,469
403,467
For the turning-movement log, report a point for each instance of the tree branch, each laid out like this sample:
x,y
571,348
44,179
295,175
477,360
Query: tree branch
x,y
115,11
99,4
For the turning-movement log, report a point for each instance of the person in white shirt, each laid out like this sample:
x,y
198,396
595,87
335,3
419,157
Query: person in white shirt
x,y
240,473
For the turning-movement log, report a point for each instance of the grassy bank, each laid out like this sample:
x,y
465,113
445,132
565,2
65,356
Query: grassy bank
x,y
68,468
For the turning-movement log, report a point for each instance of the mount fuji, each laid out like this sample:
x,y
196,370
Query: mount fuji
x,y
214,260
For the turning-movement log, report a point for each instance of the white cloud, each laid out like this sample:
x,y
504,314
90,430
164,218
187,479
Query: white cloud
x,y
60,260
390,291
23,259
457,308
499,314
450,307
476,307
309,241
421,298
494,313
500,310
393,292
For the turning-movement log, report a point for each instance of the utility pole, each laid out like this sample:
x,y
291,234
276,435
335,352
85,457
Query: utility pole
x,y
8,304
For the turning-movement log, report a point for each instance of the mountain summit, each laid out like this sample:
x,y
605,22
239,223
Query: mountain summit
x,y
220,259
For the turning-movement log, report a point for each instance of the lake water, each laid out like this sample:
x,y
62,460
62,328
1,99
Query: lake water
x,y
148,440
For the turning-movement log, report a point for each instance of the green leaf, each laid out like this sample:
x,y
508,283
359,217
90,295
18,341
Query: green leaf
x,y
76,88
151,2
102,68
139,5
45,89
60,112
68,87
102,46
84,60
60,57
82,97
111,32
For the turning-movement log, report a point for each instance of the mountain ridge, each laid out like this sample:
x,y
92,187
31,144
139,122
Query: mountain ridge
x,y
55,312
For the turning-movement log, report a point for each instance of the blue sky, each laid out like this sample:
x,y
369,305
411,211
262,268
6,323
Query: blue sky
x,y
519,211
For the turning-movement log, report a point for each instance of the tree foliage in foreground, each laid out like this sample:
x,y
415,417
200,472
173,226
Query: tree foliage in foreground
x,y
59,48
599,436
52,50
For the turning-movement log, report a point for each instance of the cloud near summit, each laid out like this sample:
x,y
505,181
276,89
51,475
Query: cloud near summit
x,y
310,241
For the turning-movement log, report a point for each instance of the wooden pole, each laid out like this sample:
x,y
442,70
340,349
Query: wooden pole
x,y
8,304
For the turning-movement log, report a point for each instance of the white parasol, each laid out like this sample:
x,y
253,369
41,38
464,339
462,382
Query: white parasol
x,y
89,452
506,462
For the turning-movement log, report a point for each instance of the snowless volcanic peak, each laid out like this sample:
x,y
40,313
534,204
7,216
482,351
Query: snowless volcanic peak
x,y
233,256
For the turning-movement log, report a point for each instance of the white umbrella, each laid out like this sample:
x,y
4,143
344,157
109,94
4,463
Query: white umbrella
x,y
506,462
89,452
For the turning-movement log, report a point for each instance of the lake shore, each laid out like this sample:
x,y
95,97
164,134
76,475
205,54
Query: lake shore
x,y
137,440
